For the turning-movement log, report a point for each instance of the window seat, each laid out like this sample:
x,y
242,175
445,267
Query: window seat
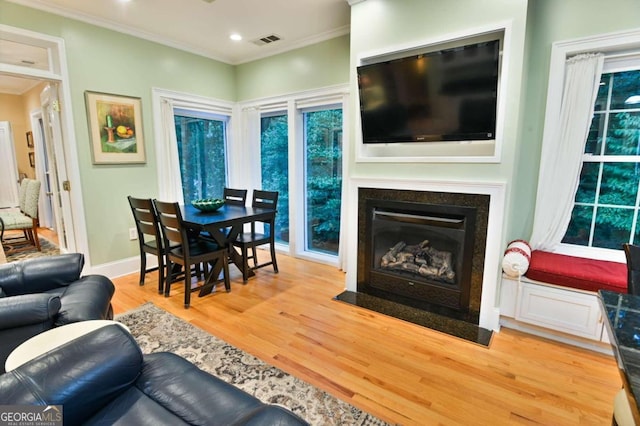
x,y
577,272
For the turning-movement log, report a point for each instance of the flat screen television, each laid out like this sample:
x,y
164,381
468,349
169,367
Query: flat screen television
x,y
446,95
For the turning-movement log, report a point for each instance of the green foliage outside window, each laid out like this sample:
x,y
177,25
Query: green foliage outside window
x,y
323,175
607,201
323,170
274,158
201,151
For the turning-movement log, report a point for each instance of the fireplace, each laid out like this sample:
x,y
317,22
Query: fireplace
x,y
475,314
420,252
423,249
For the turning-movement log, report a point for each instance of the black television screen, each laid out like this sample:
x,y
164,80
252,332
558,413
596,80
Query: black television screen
x,y
447,95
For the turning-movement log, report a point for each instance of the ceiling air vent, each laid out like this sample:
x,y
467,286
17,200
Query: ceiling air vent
x,y
265,40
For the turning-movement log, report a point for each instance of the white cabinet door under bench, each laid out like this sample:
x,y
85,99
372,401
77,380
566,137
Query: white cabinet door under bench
x,y
567,310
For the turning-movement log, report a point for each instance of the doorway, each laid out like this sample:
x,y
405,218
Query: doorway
x,y
38,57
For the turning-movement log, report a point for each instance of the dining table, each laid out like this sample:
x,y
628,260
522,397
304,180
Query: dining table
x,y
223,225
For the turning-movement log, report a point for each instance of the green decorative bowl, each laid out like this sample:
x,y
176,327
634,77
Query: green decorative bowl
x,y
208,204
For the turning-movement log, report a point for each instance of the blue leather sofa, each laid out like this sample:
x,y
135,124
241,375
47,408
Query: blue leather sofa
x,y
102,378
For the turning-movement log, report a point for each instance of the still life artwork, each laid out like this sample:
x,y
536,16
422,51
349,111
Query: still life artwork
x,y
115,126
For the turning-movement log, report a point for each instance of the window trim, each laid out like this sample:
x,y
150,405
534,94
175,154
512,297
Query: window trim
x,y
198,114
168,169
613,45
293,105
316,254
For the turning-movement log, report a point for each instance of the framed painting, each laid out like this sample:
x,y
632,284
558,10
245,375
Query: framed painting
x,y
30,139
115,128
32,160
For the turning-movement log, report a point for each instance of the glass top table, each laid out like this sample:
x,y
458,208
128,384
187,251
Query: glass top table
x,y
622,313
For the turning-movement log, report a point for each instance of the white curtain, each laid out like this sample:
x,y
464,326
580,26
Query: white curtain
x,y
250,146
561,158
169,163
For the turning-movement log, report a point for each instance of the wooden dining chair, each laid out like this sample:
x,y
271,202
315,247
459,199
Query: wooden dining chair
x,y
149,237
251,240
191,250
632,253
235,197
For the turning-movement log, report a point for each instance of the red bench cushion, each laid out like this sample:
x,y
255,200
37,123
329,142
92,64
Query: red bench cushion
x,y
577,272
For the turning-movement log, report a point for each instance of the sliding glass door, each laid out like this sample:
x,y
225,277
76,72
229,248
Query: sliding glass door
x,y
323,179
311,202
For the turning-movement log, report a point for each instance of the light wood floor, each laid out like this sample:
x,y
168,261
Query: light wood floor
x,y
400,372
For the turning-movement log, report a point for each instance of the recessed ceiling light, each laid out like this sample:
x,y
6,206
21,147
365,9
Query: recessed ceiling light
x,y
235,37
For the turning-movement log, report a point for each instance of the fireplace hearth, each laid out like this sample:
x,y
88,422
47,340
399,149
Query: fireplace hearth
x,y
420,257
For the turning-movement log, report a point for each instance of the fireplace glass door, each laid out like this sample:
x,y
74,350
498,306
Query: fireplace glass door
x,y
420,251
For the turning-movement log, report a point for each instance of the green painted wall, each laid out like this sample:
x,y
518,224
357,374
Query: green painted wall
x,y
378,26
320,65
102,60
106,61
550,21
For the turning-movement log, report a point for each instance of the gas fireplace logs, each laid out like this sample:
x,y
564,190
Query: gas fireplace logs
x,y
420,259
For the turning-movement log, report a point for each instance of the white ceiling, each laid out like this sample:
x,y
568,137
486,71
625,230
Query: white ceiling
x,y
202,27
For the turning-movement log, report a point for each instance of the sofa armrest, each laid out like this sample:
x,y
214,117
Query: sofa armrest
x,y
83,375
22,317
40,274
89,298
28,309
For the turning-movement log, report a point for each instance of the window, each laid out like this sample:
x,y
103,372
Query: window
x,y
605,213
201,139
294,145
323,179
274,163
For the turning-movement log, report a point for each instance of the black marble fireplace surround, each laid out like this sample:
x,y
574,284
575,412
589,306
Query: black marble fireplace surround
x,y
421,258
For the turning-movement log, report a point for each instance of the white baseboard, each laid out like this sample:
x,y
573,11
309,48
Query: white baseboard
x,y
592,345
121,267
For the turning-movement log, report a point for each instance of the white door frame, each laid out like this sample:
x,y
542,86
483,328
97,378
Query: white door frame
x,y
10,167
45,212
57,72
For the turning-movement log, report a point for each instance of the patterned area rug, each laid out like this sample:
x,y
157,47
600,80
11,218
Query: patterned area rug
x,y
157,330
48,249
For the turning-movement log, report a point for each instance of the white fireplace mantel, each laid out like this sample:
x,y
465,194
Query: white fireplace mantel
x,y
489,306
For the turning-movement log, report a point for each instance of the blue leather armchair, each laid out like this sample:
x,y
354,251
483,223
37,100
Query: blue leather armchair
x,y
46,292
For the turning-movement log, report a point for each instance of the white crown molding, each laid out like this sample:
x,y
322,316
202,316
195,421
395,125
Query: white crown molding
x,y
352,2
125,29
328,35
116,26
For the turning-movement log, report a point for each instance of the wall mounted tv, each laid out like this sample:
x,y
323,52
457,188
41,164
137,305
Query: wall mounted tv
x,y
446,95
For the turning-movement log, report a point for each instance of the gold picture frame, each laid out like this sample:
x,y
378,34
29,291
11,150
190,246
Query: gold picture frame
x,y
115,128
30,139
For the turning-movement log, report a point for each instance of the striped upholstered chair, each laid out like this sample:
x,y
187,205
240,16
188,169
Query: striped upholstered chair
x,y
26,219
